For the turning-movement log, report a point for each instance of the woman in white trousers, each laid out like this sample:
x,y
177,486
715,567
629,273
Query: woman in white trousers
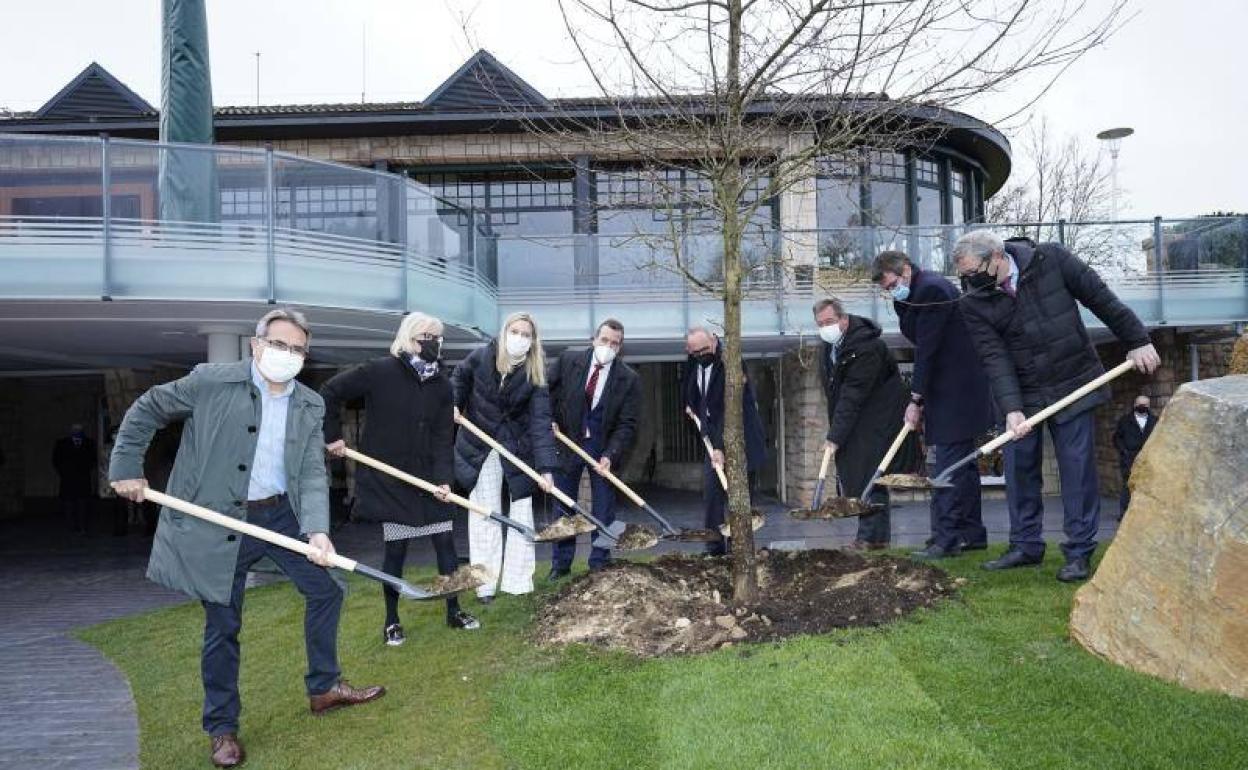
x,y
501,388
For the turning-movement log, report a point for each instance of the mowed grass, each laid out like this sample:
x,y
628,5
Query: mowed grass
x,y
987,680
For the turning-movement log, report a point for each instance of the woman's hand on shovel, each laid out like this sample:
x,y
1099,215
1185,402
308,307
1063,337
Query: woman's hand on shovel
x,y
131,489
1016,423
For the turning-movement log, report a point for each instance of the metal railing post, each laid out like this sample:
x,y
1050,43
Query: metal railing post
x,y
106,214
270,210
404,242
1159,250
1061,232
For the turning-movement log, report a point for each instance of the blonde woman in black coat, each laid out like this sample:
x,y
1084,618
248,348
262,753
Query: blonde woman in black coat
x,y
501,388
408,424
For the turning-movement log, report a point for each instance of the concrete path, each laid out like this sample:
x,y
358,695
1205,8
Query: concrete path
x,y
66,706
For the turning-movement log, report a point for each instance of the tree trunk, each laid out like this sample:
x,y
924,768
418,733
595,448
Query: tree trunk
x,y
744,560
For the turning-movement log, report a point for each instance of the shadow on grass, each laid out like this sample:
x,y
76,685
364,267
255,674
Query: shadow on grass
x,y
986,680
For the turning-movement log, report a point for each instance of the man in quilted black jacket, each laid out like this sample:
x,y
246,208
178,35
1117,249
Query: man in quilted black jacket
x,y
1021,303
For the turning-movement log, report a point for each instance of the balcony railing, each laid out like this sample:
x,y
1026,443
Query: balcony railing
x,y
89,218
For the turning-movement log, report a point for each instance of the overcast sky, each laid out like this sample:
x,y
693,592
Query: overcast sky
x,y
1174,73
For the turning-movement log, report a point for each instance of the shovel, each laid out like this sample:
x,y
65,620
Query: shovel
x,y
432,489
756,519
888,458
603,530
670,532
839,507
404,588
943,480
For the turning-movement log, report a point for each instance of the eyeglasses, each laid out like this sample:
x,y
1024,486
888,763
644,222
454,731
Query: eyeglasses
x,y
299,350
428,338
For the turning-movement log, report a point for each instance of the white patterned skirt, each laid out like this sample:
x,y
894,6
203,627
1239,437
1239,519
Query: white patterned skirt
x,y
391,531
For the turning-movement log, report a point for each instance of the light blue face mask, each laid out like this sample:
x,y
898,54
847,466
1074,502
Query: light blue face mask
x,y
900,292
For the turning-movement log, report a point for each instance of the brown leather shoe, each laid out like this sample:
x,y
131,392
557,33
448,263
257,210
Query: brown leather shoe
x,y
343,694
227,751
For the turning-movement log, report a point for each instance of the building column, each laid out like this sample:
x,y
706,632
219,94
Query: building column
x,y
225,344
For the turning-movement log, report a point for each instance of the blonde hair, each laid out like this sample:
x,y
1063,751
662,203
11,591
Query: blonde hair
x,y
411,325
535,360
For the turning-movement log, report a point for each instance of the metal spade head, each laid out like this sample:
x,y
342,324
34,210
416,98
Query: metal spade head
x,y
911,481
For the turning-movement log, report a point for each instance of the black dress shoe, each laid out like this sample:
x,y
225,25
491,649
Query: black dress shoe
x,y
1073,571
934,552
1012,558
462,620
558,574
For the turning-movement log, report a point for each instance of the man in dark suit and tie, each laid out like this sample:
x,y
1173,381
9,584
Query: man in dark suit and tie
x,y
948,396
594,399
1133,430
704,396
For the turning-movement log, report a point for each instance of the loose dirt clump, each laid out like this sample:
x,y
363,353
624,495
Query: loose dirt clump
x,y
681,604
466,578
565,527
637,538
905,481
836,508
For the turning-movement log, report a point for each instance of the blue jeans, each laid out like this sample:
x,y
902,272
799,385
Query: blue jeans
x,y
1074,443
957,511
222,622
603,508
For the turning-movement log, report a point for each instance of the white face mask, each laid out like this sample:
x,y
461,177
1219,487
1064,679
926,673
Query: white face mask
x,y
517,344
830,334
604,354
279,365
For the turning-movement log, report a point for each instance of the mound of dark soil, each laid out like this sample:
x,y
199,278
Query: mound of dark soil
x,y
681,604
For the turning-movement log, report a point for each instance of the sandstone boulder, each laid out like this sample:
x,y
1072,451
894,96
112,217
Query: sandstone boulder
x,y
1171,596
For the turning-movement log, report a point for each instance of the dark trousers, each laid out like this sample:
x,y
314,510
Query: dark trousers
x,y
957,511
877,527
603,509
1074,443
76,511
396,556
222,622
716,500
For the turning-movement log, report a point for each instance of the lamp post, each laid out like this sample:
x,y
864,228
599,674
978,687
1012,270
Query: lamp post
x,y
1113,137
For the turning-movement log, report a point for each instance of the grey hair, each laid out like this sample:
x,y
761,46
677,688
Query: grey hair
x,y
980,244
888,262
283,314
700,330
411,325
829,302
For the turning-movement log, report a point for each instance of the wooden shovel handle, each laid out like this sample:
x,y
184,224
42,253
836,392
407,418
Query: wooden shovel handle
x,y
608,475
260,533
827,460
710,450
516,461
1058,406
896,445
415,481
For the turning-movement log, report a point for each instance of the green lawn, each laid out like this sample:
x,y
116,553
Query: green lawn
x,y
988,680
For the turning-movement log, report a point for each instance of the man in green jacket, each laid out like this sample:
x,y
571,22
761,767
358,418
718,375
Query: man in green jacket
x,y
252,449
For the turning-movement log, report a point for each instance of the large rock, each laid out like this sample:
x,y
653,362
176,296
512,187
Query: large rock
x,y
1171,596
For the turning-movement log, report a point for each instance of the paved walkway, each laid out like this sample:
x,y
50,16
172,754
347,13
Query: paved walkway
x,y
66,706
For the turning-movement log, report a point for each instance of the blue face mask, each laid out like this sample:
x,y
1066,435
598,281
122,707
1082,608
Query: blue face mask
x,y
900,292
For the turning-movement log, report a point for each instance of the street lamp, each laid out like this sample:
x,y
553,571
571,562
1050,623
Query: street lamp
x,y
1113,137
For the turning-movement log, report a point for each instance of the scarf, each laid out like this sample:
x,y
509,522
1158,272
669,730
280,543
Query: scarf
x,y
424,370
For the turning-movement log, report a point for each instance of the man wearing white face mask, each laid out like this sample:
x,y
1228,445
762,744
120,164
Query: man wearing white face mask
x,y
865,404
595,398
251,449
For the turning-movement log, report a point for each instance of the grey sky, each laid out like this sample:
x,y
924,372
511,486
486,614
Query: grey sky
x,y
1171,73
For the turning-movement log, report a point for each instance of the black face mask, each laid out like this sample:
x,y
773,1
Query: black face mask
x,y
429,351
706,359
1141,410
978,282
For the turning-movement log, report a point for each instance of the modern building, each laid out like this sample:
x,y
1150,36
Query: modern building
x,y
359,212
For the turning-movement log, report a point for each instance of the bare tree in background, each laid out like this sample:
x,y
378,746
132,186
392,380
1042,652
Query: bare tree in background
x,y
723,105
1061,179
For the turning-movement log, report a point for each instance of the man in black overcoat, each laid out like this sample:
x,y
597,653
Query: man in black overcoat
x,y
948,396
865,408
1133,430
